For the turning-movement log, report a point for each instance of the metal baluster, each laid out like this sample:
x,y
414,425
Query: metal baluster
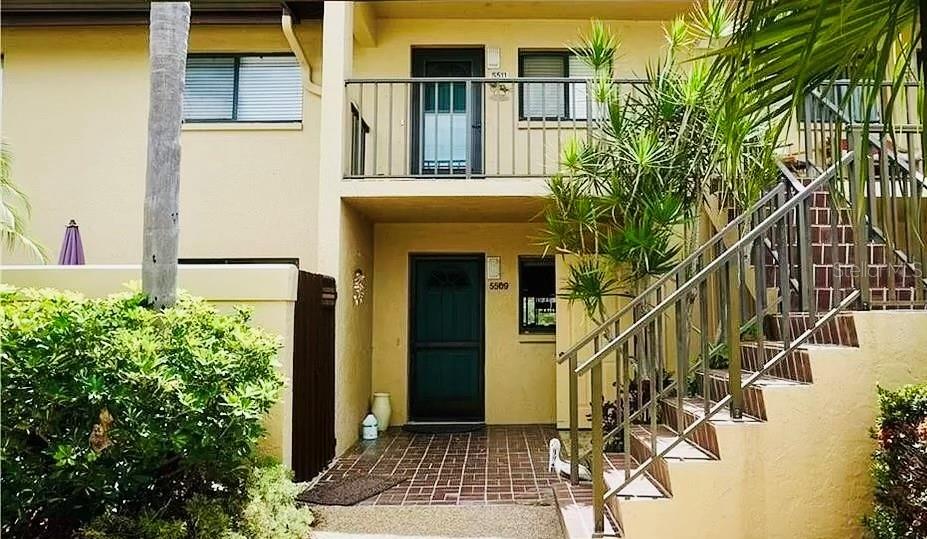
x,y
654,376
498,131
376,125
406,138
421,130
618,365
808,127
437,131
544,131
468,103
389,143
806,269
362,165
450,157
661,356
785,292
626,408
682,336
523,99
528,119
574,421
760,287
559,140
888,218
704,344
860,231
598,448
836,236
733,334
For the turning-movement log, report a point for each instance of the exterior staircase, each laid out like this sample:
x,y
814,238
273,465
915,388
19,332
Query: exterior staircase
x,y
776,285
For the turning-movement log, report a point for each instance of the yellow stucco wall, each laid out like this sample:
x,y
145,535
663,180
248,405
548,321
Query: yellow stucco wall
x,y
269,290
75,107
391,57
519,369
804,472
354,329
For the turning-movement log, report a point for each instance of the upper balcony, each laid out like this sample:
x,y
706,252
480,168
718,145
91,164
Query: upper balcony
x,y
445,124
461,110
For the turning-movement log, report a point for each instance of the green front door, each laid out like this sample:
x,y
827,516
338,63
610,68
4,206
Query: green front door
x,y
446,363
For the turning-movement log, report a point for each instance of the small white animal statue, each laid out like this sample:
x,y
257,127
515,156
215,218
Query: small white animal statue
x,y
555,463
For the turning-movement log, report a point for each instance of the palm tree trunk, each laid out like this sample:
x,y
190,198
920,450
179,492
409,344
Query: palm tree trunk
x,y
168,34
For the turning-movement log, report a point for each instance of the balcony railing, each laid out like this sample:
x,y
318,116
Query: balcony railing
x,y
466,128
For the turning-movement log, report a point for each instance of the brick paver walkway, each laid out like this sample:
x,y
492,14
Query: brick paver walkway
x,y
495,465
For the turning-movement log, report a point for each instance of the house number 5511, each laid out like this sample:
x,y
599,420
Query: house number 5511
x,y
499,285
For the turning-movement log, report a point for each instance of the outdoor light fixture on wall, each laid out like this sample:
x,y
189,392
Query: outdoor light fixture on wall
x,y
493,267
493,58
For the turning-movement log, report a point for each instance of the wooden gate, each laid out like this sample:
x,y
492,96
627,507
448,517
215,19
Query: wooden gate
x,y
313,375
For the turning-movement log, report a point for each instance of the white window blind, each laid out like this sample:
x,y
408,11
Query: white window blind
x,y
269,89
243,88
542,100
555,100
210,88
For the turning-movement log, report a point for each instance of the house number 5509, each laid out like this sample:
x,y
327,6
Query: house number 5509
x,y
499,285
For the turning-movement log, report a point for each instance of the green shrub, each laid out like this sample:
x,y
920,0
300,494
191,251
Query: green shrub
x,y
109,406
268,510
899,465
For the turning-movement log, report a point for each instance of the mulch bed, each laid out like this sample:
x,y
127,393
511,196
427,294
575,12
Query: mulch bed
x,y
349,490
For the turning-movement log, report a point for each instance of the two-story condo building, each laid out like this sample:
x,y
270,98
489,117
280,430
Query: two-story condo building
x,y
401,147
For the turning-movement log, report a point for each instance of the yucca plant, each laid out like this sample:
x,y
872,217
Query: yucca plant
x,y
623,203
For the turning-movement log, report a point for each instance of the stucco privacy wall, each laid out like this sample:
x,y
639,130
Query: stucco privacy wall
x,y
805,472
269,290
75,108
519,369
354,329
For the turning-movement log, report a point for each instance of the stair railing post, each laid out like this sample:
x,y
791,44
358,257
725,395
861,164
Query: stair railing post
x,y
574,421
598,450
859,207
733,336
805,266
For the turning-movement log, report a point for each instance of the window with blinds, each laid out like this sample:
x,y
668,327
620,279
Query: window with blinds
x,y
243,88
555,100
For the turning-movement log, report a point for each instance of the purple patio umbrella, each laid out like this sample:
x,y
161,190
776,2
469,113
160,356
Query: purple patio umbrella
x,y
72,249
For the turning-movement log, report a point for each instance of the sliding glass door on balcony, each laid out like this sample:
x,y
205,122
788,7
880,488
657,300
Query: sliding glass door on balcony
x,y
446,116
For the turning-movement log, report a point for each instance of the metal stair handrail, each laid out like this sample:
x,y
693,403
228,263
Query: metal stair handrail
x,y
637,301
647,335
713,266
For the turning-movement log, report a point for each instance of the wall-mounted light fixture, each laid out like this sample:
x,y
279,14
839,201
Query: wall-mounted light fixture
x,y
493,58
493,267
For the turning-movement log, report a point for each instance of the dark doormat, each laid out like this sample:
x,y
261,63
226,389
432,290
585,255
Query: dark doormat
x,y
442,428
349,490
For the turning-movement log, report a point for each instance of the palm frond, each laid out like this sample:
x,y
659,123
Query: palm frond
x,y
15,211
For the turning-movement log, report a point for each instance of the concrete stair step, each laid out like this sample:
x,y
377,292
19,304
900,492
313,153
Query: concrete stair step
x,y
576,516
644,486
664,437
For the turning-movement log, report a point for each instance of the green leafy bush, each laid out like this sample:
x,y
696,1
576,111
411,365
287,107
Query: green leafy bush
x,y
110,406
899,465
267,511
